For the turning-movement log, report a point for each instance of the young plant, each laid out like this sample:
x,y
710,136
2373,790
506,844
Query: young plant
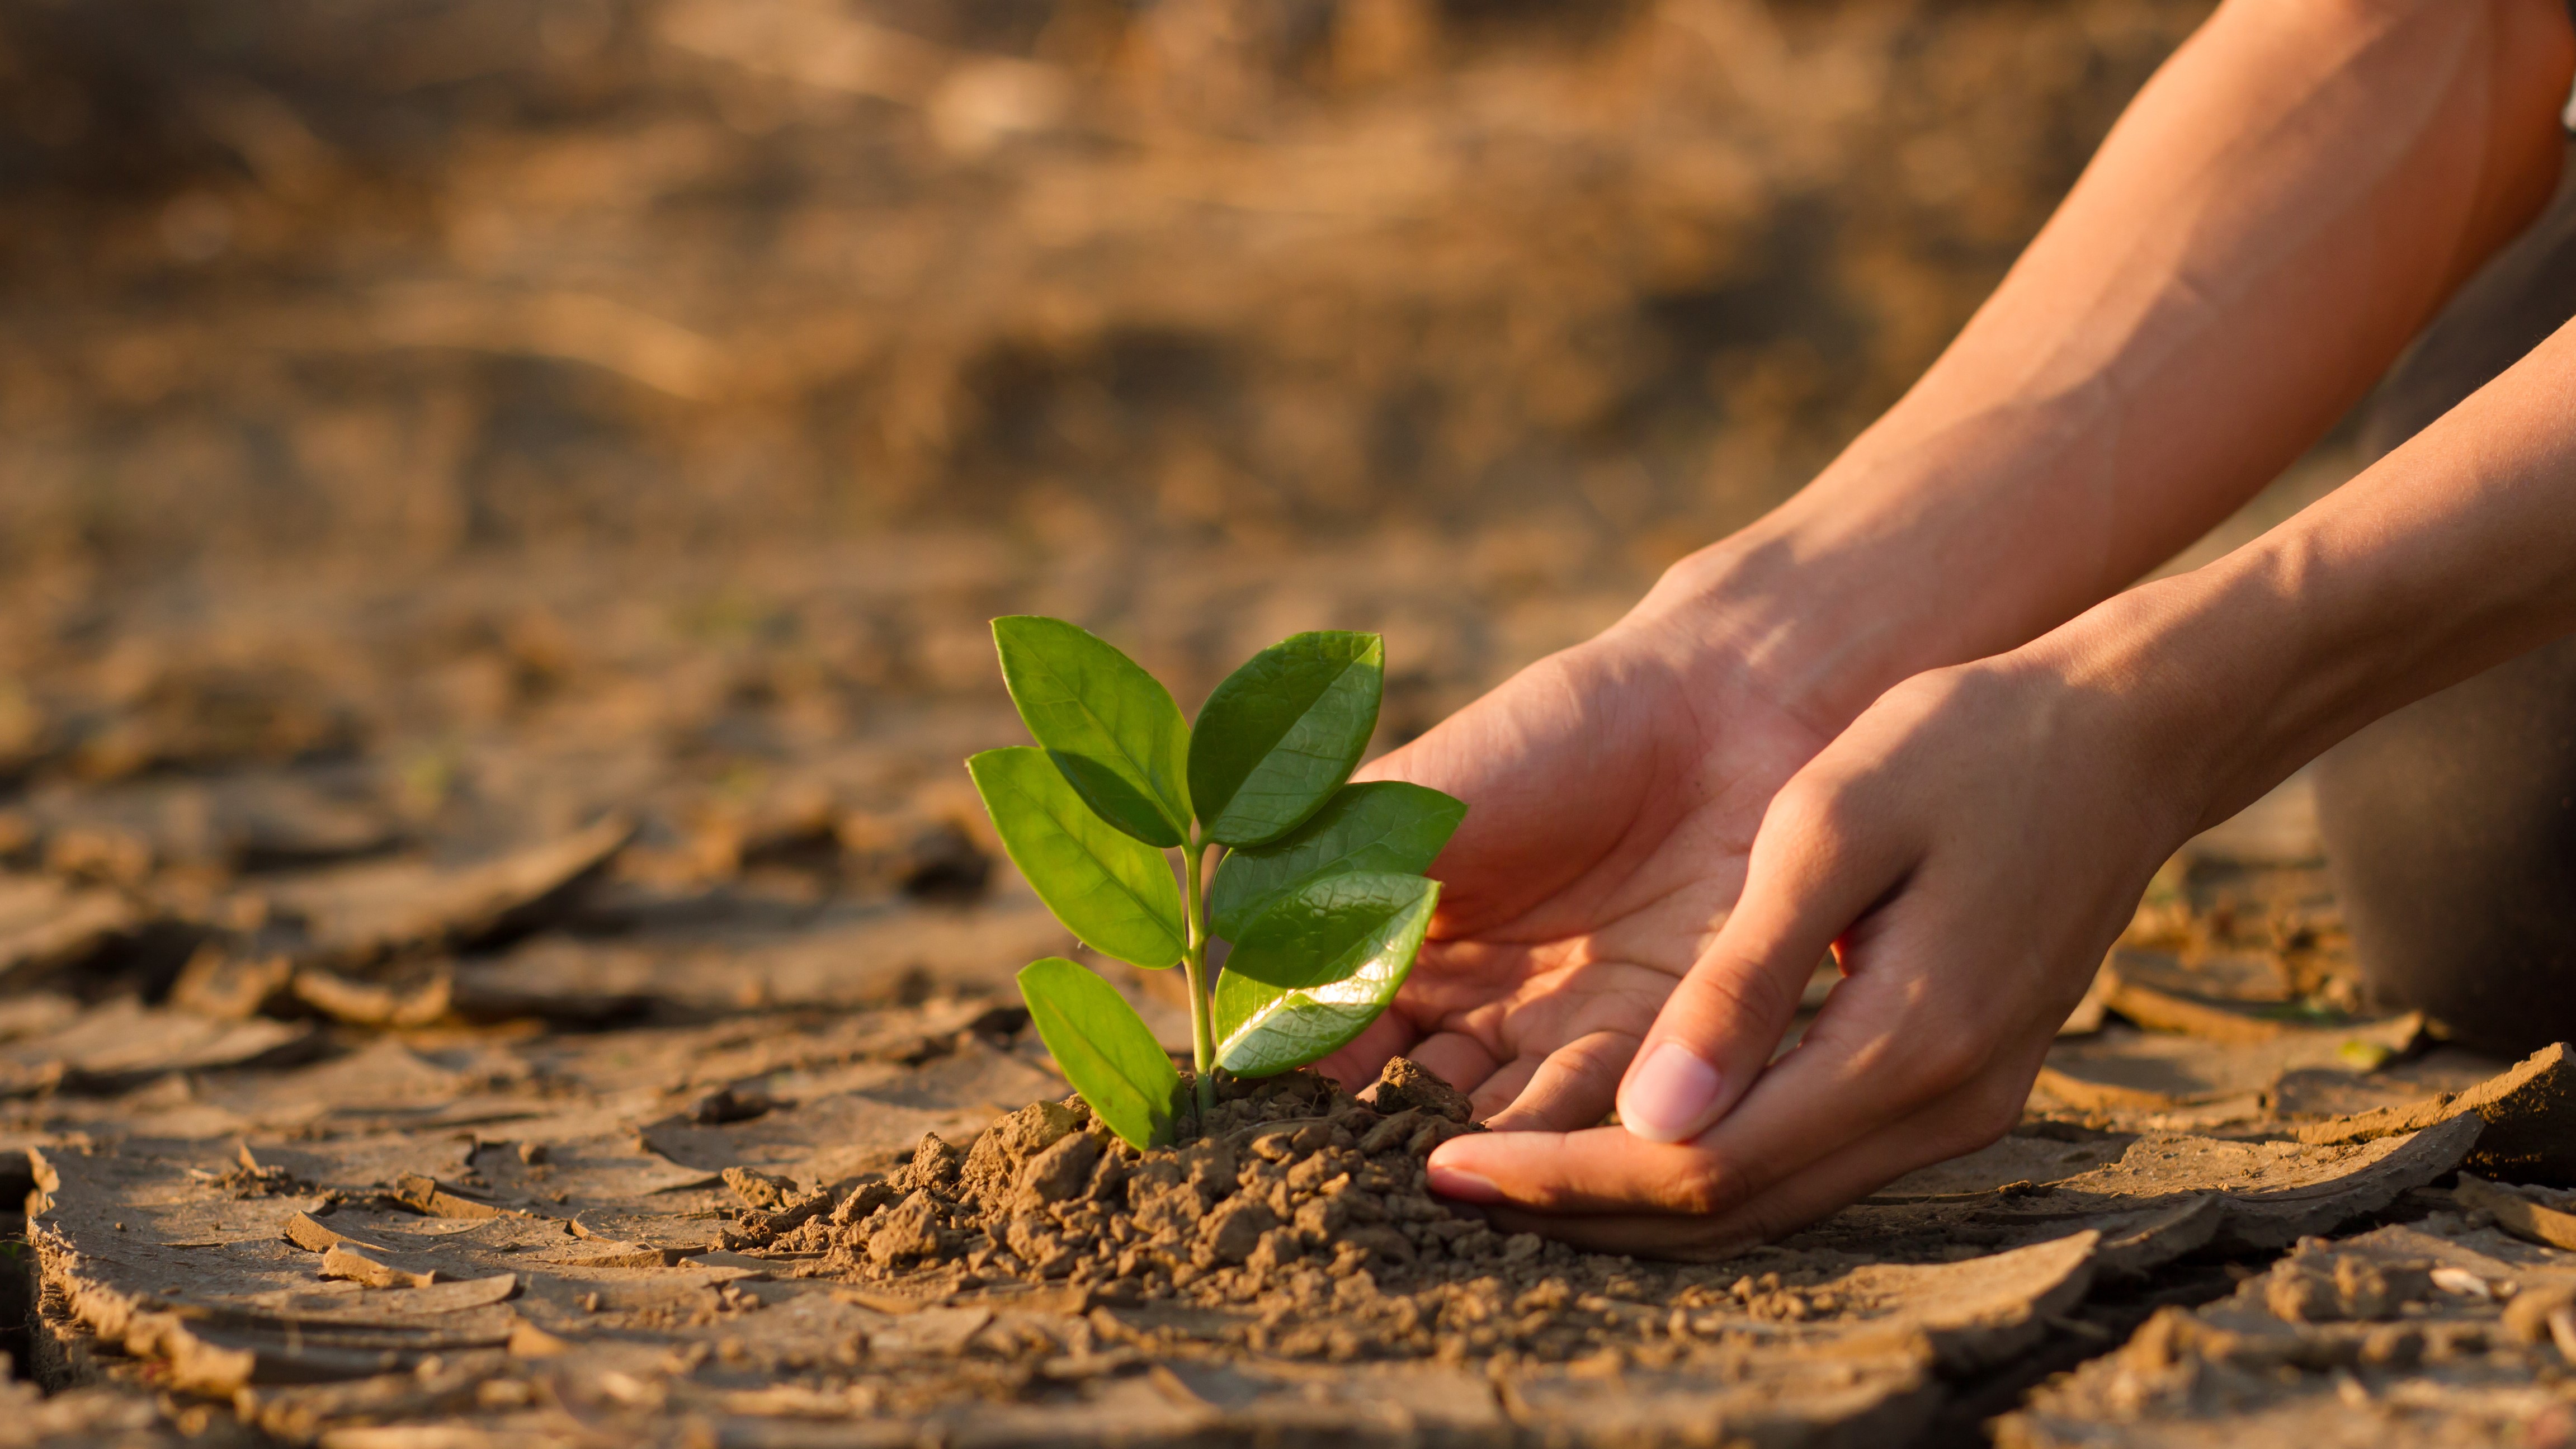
x,y
1317,884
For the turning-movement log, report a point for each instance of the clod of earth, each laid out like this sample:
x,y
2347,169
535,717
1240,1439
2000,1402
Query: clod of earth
x,y
2432,1333
2526,1112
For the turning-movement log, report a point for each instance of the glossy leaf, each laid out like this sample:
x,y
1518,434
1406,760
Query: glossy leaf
x,y
1281,734
1317,967
1104,1049
1107,887
1384,826
1109,726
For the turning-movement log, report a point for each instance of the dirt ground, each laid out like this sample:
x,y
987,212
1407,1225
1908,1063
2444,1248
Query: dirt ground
x,y
498,509
742,1141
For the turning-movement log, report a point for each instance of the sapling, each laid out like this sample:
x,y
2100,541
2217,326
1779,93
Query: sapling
x,y
1316,885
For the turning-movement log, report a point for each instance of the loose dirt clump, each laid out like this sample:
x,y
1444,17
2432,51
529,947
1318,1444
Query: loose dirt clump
x,y
1294,1199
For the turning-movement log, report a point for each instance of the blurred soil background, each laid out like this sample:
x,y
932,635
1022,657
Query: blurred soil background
x,y
500,502
515,410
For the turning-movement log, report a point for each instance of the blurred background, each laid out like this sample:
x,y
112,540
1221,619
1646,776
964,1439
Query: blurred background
x,y
426,424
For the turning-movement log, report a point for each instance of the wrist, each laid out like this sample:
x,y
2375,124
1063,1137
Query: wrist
x,y
2198,687
1948,532
1765,612
1826,602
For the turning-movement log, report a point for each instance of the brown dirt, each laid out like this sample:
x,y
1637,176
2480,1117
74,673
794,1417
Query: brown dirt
x,y
503,502
407,284
541,1135
1291,1198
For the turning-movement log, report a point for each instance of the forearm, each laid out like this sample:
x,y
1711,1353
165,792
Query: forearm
x,y
2283,206
2452,554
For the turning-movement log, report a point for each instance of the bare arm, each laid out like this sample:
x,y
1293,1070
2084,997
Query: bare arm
x,y
1860,723
2283,206
2452,554
1975,841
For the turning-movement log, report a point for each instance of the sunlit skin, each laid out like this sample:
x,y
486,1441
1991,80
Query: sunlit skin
x,y
1912,717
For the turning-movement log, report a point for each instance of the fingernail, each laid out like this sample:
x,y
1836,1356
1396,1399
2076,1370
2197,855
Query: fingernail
x,y
1466,1186
1669,1094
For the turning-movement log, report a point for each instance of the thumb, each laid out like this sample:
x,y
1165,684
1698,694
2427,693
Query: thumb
x,y
1812,873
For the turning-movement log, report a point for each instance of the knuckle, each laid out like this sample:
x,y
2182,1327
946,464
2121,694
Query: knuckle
x,y
1815,807
1704,1188
1741,993
1943,1063
1995,1110
1981,1124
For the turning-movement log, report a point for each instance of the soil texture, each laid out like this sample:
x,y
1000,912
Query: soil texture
x,y
496,951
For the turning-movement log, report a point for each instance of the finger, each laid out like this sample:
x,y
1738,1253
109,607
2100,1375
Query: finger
x,y
1875,1056
1572,1088
1814,870
1959,1123
1502,1088
1592,1171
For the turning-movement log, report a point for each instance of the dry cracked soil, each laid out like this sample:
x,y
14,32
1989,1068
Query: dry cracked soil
x,y
599,1138
496,948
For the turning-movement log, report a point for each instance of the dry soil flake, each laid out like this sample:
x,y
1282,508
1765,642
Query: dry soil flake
x,y
1295,1230
2437,1333
1281,1276
2528,1113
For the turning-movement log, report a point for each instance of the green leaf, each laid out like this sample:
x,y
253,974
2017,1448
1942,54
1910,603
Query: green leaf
x,y
1104,1049
1111,889
1317,967
1282,733
1110,727
1385,826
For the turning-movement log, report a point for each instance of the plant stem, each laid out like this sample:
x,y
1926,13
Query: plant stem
x,y
1202,1036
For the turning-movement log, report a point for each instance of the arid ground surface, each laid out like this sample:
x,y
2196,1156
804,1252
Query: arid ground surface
x,y
498,509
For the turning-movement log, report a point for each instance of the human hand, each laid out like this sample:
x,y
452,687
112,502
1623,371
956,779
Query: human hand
x,y
1613,790
1970,846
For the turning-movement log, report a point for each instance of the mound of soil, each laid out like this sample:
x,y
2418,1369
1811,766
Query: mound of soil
x,y
1292,1197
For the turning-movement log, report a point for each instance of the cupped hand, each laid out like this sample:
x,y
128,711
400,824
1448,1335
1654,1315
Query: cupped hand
x,y
1613,790
1969,847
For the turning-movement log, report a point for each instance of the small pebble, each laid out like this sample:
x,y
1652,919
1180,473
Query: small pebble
x,y
2462,1282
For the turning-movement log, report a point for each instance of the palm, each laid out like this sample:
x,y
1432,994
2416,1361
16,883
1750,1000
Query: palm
x,y
1610,812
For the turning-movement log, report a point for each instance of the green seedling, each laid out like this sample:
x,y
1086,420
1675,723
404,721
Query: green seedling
x,y
1317,883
